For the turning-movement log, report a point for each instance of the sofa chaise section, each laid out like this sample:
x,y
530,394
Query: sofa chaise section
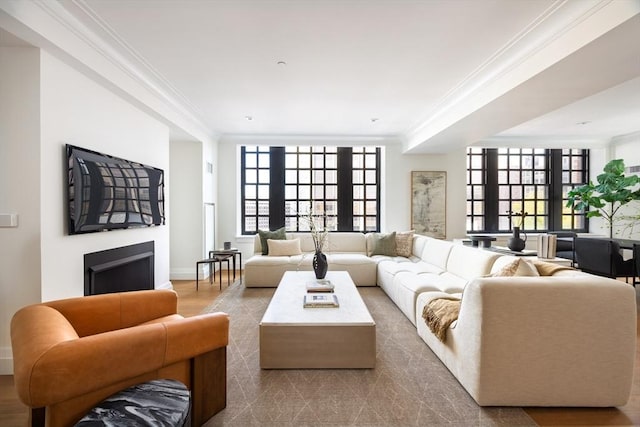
x,y
568,340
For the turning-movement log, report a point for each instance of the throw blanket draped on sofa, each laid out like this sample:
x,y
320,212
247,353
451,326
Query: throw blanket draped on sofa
x,y
439,314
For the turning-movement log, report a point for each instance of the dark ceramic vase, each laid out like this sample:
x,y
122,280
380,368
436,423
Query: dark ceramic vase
x,y
516,243
320,265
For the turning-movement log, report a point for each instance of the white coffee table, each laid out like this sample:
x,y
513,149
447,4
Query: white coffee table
x,y
292,336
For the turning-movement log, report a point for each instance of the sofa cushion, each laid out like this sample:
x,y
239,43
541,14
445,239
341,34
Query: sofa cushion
x,y
468,262
404,243
436,252
284,247
349,242
278,234
383,244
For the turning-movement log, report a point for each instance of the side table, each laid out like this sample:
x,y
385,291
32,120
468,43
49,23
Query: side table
x,y
233,252
212,260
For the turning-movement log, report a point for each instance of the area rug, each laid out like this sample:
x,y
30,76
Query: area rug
x,y
408,387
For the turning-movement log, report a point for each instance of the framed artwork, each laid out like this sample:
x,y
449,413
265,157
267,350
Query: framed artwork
x,y
428,203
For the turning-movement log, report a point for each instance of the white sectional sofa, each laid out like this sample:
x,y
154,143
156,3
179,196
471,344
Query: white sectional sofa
x,y
566,339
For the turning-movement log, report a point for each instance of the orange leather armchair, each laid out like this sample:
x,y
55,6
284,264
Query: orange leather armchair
x,y
71,354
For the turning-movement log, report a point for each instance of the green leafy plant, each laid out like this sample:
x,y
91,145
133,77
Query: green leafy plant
x,y
605,199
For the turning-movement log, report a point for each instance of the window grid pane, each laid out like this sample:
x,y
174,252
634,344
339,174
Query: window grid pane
x,y
574,174
523,178
476,180
255,188
365,189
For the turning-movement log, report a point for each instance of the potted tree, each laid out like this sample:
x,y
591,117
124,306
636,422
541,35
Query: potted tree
x,y
605,199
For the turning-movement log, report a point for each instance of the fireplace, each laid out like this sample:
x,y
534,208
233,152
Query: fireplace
x,y
128,268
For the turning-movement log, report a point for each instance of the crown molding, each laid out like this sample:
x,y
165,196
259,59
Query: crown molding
x,y
549,141
134,62
312,139
559,31
625,139
129,68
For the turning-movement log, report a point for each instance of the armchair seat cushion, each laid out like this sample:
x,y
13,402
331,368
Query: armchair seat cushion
x,y
158,402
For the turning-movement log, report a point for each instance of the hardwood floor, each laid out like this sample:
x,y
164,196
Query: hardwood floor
x,y
191,302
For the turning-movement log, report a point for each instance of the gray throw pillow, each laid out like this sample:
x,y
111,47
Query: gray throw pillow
x,y
384,244
278,234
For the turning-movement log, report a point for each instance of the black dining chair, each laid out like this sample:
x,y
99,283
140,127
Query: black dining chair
x,y
602,257
636,263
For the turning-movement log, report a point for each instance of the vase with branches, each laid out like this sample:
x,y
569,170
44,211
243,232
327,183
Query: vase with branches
x,y
317,225
516,243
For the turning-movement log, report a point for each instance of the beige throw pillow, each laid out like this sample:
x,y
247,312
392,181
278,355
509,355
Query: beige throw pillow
x,y
524,267
284,247
508,269
404,243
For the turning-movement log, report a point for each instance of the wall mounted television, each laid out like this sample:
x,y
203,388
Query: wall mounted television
x,y
107,193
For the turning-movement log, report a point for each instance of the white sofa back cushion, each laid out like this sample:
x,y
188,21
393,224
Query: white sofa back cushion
x,y
469,262
349,242
436,252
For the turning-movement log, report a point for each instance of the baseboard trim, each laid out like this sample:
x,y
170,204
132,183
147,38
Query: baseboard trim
x,y
6,361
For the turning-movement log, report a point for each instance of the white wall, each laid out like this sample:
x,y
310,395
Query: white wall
x,y
19,187
187,211
396,188
76,110
628,149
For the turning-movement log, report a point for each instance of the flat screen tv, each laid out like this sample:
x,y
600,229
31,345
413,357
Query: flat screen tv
x,y
107,193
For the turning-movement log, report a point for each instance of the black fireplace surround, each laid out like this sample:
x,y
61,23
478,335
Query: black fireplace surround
x,y
123,269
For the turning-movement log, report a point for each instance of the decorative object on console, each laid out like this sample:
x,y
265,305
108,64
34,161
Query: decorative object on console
x,y
516,243
428,203
547,246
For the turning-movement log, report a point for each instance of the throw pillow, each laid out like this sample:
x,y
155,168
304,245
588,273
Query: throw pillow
x,y
508,270
404,243
384,244
284,247
279,234
525,266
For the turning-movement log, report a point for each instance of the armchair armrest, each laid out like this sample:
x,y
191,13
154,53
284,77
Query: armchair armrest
x,y
189,337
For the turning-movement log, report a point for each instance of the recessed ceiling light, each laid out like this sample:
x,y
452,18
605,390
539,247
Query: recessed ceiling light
x,y
281,63
248,118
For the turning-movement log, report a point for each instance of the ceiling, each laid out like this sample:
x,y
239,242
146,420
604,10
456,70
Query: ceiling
x,y
434,74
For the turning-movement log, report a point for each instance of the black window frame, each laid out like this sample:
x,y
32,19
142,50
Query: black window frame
x,y
280,214
564,169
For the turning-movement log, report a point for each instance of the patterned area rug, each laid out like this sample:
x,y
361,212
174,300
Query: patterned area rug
x,y
408,387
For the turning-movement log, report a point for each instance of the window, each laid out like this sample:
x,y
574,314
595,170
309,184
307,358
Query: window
x,y
278,183
535,181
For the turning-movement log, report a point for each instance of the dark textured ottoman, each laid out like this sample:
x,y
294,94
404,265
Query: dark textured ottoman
x,y
157,403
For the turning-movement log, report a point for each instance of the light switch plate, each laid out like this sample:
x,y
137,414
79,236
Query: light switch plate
x,y
8,220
